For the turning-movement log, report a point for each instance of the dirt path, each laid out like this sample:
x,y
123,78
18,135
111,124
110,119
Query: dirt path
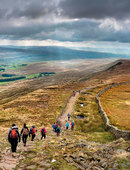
x,y
70,105
9,160
63,118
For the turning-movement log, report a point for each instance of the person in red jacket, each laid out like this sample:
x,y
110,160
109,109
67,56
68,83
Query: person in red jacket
x,y
32,132
72,125
43,133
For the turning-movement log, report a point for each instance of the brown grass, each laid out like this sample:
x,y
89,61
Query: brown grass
x,y
116,103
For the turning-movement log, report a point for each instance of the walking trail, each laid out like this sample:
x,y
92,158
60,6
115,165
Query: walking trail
x,y
70,106
69,109
8,161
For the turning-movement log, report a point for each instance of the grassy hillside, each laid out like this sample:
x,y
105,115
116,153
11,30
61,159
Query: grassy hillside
x,y
116,103
92,125
39,102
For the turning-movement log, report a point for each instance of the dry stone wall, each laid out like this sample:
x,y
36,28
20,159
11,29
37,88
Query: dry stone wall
x,y
114,130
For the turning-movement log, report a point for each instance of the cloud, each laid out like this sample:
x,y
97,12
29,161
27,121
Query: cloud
x,y
65,20
97,9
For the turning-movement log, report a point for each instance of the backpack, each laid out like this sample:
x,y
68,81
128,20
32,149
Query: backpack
x,y
72,123
31,130
43,131
13,134
25,131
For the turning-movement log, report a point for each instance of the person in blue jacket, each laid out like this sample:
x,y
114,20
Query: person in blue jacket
x,y
58,131
53,126
67,125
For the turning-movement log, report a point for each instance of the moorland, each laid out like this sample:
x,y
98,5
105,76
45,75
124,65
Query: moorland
x,y
39,98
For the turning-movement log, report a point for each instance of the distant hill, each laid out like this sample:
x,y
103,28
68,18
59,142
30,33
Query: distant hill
x,y
117,71
13,54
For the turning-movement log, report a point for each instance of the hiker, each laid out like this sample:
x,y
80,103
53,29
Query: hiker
x,y
43,133
58,131
53,126
25,133
67,125
56,125
74,92
32,132
13,137
68,116
72,125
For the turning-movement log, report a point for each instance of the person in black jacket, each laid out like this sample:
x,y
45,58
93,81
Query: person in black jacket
x,y
13,137
25,133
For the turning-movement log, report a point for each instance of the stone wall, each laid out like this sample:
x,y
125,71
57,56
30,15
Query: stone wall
x,y
114,130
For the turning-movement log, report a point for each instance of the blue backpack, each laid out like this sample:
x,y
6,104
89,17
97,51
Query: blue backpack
x,y
31,130
72,123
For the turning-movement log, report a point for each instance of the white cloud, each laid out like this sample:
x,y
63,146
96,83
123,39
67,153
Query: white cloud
x,y
111,24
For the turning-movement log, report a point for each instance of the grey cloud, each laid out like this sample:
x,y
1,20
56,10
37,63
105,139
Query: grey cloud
x,y
13,27
30,9
97,9
81,30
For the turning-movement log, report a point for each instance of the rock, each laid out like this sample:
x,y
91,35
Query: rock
x,y
64,155
72,156
128,157
78,166
128,149
31,167
84,165
120,151
96,168
53,160
115,165
123,165
104,165
44,164
69,160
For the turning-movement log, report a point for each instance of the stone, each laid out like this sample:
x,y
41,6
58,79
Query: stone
x,y
78,166
123,165
84,165
68,160
120,151
104,164
128,157
96,168
72,156
128,149
31,167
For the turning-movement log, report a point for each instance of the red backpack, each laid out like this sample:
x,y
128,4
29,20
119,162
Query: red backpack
x,y
13,134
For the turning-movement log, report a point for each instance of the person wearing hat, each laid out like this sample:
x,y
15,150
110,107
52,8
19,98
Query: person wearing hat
x,y
13,137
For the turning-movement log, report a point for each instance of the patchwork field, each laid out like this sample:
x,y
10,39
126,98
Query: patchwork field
x,y
116,103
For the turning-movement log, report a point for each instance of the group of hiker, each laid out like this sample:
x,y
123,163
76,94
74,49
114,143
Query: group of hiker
x,y
72,123
14,136
56,128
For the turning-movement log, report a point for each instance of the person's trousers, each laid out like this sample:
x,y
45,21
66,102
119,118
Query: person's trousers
x,y
14,143
33,136
43,135
24,139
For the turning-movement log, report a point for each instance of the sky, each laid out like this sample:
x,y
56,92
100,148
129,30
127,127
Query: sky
x,y
96,25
